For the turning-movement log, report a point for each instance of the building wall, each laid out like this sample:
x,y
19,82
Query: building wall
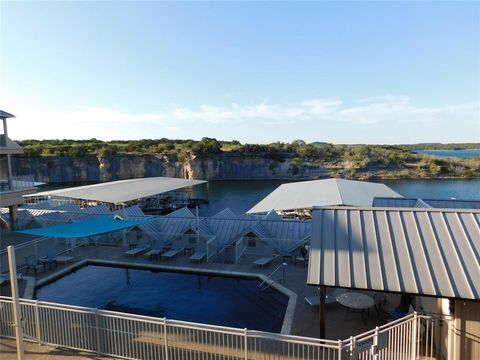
x,y
467,330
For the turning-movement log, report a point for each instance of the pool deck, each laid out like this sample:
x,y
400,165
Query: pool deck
x,y
341,323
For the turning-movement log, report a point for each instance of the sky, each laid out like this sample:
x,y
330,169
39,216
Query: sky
x,y
343,72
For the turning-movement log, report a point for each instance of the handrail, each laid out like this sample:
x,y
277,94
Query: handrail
x,y
269,277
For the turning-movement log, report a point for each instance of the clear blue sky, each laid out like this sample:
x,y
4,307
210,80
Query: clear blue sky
x,y
343,72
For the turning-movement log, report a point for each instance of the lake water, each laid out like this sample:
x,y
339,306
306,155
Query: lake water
x,y
451,153
240,196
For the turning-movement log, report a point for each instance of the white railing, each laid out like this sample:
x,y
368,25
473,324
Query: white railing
x,y
139,337
16,183
240,247
411,337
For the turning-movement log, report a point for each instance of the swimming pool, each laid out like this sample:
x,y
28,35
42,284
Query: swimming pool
x,y
218,300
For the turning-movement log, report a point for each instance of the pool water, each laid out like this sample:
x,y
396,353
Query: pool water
x,y
227,301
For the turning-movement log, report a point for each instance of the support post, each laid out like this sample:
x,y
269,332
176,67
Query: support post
x,y
97,331
13,212
165,337
323,295
414,336
37,324
17,311
374,348
245,343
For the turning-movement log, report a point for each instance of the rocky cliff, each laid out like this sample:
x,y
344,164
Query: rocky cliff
x,y
222,166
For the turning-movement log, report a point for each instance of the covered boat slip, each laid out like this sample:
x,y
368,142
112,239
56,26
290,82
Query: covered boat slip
x,y
122,191
326,192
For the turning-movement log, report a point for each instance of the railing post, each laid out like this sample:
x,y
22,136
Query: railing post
x,y
352,345
340,350
374,348
165,337
414,336
16,308
245,342
37,323
97,330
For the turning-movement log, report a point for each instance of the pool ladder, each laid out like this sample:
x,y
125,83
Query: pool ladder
x,y
269,281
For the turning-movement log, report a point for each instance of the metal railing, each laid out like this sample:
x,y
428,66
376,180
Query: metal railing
x,y
411,337
16,183
139,337
269,281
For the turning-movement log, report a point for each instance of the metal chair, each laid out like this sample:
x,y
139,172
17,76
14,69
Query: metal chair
x,y
32,263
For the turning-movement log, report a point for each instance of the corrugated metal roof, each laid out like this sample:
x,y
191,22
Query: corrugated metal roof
x,y
436,203
6,115
453,203
272,215
326,192
225,214
132,212
101,209
116,192
408,250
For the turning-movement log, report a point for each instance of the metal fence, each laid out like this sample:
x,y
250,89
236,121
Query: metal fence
x,y
139,337
412,337
16,183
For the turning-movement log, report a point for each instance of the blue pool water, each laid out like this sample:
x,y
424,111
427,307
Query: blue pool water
x,y
235,302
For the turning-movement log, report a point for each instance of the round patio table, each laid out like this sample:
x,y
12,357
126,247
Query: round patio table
x,y
355,300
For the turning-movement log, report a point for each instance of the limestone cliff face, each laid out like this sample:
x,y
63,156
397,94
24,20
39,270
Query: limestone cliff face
x,y
224,166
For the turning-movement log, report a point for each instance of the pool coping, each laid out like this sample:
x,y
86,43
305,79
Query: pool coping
x,y
292,297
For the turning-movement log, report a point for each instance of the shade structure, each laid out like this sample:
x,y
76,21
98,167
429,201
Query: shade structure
x,y
326,192
117,192
91,227
406,250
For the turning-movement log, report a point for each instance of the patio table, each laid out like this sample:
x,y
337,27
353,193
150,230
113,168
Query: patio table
x,y
357,302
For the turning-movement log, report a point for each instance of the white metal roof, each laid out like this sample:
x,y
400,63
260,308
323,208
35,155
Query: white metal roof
x,y
116,192
436,203
326,192
408,250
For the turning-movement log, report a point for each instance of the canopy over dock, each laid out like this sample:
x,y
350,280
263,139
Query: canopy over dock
x,y
118,192
326,192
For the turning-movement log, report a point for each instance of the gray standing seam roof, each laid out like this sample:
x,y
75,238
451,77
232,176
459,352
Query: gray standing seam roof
x,y
5,115
116,192
325,192
436,203
408,250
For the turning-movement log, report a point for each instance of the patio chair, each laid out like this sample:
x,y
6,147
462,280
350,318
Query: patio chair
x,y
141,247
32,263
153,253
172,253
303,257
198,256
265,260
331,298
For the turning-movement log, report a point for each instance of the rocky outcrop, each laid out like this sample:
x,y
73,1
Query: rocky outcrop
x,y
224,166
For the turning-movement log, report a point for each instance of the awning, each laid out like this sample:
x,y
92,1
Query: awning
x,y
432,252
91,227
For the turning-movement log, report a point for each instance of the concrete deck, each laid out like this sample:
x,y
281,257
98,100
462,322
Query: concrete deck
x,y
341,323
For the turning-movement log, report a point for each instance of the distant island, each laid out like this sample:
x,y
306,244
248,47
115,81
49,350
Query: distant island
x,y
211,159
